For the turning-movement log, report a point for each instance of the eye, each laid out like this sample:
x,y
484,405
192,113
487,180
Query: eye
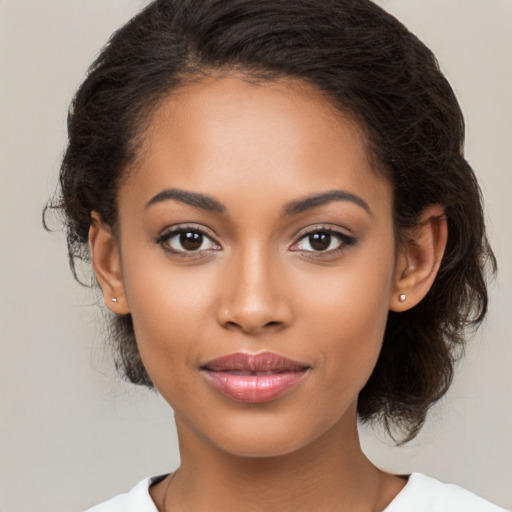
x,y
323,240
187,240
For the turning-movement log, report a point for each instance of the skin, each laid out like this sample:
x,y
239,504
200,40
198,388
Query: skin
x,y
257,284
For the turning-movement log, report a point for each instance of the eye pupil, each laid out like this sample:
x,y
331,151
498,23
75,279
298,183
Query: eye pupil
x,y
320,241
191,241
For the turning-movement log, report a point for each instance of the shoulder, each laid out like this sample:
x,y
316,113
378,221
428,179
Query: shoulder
x,y
135,500
426,494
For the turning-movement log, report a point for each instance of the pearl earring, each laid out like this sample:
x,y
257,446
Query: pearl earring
x,y
402,297
113,299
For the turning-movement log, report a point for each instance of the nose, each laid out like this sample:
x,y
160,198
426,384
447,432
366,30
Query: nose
x,y
254,294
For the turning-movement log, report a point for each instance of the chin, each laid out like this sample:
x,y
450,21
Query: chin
x,y
261,447
262,436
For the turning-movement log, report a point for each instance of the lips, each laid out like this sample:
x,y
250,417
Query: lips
x,y
254,378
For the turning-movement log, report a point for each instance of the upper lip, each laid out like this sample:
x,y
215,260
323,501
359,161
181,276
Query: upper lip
x,y
262,362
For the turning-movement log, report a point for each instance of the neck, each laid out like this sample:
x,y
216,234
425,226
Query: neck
x,y
331,473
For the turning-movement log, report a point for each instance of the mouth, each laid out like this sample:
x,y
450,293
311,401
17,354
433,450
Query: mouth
x,y
254,378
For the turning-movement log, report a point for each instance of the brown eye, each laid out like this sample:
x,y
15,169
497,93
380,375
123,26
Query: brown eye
x,y
191,240
320,241
187,240
323,241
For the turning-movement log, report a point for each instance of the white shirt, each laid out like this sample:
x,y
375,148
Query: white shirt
x,y
420,494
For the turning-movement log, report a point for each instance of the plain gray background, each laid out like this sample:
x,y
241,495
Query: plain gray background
x,y
71,433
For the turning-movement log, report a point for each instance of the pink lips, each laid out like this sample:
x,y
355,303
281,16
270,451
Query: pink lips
x,y
253,378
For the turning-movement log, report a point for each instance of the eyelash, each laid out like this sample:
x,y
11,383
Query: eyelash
x,y
171,233
345,241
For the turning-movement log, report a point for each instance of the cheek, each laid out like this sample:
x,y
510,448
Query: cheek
x,y
169,307
339,314
347,312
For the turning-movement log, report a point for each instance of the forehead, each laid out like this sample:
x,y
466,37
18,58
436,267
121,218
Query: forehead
x,y
220,133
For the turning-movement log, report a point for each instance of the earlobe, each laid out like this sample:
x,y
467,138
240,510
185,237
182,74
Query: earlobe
x,y
107,264
419,259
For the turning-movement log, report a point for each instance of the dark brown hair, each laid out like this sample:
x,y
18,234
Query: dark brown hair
x,y
370,66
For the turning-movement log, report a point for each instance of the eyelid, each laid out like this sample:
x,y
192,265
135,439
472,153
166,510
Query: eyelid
x,y
346,240
174,230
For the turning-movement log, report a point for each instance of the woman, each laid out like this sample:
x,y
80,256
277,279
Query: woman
x,y
279,214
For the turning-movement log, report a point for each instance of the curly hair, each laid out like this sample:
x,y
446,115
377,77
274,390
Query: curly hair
x,y
370,66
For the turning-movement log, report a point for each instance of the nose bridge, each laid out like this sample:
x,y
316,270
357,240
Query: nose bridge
x,y
254,297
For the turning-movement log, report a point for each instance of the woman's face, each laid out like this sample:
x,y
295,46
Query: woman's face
x,y
253,223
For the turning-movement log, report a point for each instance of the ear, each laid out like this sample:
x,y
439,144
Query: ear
x,y
106,263
419,259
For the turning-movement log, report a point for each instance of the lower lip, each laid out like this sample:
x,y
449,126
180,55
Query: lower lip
x,y
254,388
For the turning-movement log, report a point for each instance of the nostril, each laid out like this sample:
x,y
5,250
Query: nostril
x,y
254,317
253,327
273,324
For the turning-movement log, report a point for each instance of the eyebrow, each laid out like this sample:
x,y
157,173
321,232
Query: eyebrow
x,y
195,199
322,198
210,204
